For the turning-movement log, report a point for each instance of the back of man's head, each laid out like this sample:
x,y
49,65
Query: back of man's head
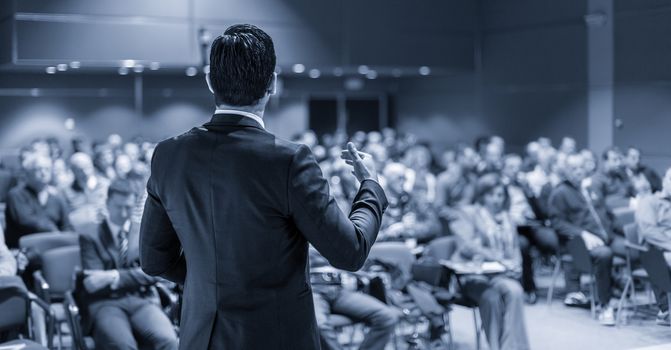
x,y
242,62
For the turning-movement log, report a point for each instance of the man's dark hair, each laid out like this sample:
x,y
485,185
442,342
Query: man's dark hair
x,y
607,151
120,187
242,61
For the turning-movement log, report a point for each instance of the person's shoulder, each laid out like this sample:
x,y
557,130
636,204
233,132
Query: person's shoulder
x,y
17,191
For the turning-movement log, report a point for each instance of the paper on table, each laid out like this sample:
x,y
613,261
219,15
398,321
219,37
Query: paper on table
x,y
492,267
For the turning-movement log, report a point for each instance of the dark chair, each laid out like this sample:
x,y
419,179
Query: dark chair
x,y
398,254
655,264
560,259
55,278
38,243
633,245
582,262
15,308
442,249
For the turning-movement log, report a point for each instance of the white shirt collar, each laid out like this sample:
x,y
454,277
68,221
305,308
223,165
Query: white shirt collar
x,y
243,113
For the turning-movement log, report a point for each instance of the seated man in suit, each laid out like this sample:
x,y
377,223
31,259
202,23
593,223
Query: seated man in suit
x,y
330,296
653,216
34,206
117,289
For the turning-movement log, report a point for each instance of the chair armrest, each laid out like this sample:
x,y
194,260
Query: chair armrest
x,y
49,315
41,286
634,246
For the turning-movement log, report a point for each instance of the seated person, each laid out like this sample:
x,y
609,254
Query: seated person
x,y
116,287
34,206
575,215
611,184
653,216
8,262
530,225
486,233
453,191
408,217
86,196
332,298
634,167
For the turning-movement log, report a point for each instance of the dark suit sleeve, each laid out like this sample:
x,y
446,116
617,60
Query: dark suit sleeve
x,y
343,241
160,248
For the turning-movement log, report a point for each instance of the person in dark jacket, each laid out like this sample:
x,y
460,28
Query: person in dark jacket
x,y
231,209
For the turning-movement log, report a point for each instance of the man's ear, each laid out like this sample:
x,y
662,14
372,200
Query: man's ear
x,y
272,88
209,83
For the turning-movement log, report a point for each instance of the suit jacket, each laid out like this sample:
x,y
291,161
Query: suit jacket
x,y
229,214
25,214
100,252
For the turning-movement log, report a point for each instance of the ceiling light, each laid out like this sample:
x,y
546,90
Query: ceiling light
x,y
424,70
62,67
363,69
298,68
128,63
51,70
314,73
154,66
191,71
75,64
338,72
371,74
123,70
138,68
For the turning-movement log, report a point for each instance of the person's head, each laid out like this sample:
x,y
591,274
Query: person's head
x,y
82,166
512,165
418,157
666,183
123,165
103,157
37,168
493,155
491,193
633,158
612,160
568,145
545,157
573,169
242,65
589,161
379,154
120,201
132,150
468,158
374,137
394,175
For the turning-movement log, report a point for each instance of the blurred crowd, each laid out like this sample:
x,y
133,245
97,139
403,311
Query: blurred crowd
x,y
519,210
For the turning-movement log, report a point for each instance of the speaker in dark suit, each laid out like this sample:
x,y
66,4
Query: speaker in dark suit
x,y
231,209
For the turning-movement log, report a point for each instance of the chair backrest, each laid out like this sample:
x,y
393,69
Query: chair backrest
x,y
58,266
396,253
582,261
658,270
6,183
441,248
14,303
631,233
39,243
624,215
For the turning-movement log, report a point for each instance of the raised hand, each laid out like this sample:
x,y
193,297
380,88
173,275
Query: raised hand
x,y
364,167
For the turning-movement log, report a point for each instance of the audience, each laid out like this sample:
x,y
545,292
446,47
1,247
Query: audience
x,y
501,207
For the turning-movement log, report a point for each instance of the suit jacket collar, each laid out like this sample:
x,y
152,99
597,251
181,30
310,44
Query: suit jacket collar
x,y
235,120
